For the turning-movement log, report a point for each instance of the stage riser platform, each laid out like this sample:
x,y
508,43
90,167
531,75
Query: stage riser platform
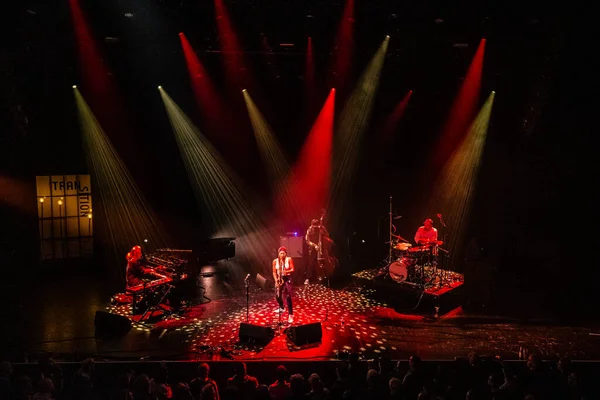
x,y
405,296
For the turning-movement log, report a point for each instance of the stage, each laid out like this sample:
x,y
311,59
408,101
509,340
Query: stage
x,y
56,315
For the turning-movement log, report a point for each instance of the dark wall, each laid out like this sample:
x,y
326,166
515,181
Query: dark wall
x,y
528,63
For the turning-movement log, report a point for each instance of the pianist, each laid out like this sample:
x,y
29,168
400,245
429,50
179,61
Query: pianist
x,y
136,273
138,276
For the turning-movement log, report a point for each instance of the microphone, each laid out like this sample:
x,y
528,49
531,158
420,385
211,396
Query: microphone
x,y
247,276
441,220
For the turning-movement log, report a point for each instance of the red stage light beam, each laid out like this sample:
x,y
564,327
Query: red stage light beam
x,y
463,111
394,118
233,58
102,93
209,100
344,47
310,178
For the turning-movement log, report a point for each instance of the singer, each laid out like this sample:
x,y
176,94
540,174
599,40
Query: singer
x,y
283,266
426,234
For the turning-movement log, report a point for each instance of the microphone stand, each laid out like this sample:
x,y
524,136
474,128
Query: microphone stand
x,y
442,258
390,238
247,283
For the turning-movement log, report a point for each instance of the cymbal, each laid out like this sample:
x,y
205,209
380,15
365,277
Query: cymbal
x,y
399,237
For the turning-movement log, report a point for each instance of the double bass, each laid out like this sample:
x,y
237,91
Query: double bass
x,y
325,261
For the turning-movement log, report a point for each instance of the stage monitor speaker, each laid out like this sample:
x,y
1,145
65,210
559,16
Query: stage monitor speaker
x,y
294,245
111,325
305,334
256,333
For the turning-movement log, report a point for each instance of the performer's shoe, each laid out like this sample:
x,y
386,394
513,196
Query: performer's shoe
x,y
306,282
290,319
279,309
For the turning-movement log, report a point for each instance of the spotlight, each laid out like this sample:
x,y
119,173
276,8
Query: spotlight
x,y
145,240
90,215
387,36
128,15
42,200
74,86
159,87
493,91
244,90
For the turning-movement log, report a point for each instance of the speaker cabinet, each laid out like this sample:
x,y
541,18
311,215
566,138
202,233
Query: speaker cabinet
x,y
111,325
256,333
305,334
294,245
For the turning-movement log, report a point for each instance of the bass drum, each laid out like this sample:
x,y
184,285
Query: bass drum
x,y
398,271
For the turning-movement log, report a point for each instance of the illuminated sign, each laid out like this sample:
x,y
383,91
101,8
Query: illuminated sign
x,y
65,216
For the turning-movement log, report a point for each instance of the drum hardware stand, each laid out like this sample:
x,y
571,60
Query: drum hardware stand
x,y
391,242
247,284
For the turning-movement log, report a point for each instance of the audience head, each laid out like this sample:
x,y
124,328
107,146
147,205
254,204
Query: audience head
x,y
342,371
316,385
354,358
240,369
495,380
563,364
123,381
88,365
500,395
533,362
385,363
475,394
395,385
297,384
281,373
262,392
45,386
414,362
203,370
141,385
473,358
162,374
182,391
372,377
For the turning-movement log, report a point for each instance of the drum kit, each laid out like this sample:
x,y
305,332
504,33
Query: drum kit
x,y
414,264
417,265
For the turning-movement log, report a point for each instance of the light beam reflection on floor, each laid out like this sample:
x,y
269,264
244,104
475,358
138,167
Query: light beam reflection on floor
x,y
346,318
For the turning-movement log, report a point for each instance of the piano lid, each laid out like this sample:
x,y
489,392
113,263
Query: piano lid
x,y
215,249
205,251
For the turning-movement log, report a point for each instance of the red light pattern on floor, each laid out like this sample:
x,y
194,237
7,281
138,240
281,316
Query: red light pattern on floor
x,y
347,317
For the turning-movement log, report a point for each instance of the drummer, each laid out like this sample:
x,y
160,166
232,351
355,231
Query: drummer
x,y
426,234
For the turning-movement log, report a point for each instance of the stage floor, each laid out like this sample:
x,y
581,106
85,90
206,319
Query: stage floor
x,y
61,322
